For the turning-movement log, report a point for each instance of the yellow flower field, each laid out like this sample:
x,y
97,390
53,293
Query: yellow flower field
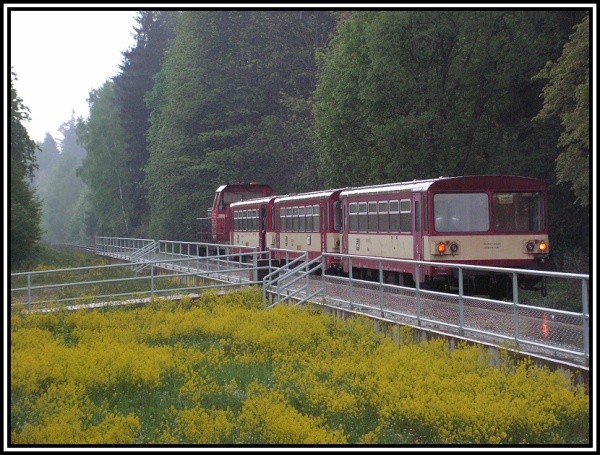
x,y
221,370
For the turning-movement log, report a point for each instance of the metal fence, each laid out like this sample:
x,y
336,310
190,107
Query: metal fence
x,y
165,268
152,268
550,331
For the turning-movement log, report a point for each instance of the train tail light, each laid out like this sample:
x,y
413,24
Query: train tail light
x,y
536,246
441,247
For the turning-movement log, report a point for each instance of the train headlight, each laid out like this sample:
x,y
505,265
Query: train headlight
x,y
543,246
441,248
530,247
454,247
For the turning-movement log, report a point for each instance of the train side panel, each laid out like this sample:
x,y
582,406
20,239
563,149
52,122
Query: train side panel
x,y
226,195
308,222
480,220
252,225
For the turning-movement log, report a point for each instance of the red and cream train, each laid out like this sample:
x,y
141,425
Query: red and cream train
x,y
485,220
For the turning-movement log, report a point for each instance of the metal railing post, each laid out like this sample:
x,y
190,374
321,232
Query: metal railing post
x,y
255,262
381,299
461,306
323,280
151,280
307,267
418,293
350,282
29,291
584,312
515,286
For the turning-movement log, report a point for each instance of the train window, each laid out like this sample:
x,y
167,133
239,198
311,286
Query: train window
x,y
295,219
282,219
353,213
405,216
362,217
235,221
316,218
394,211
372,216
234,196
384,221
309,223
254,220
289,219
518,212
301,219
461,212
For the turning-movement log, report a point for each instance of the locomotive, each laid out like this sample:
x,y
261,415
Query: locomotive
x,y
488,220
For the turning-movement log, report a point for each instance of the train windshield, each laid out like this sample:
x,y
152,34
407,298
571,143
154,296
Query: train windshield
x,y
235,196
518,212
461,212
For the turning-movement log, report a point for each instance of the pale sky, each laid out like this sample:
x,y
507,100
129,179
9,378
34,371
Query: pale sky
x,y
60,56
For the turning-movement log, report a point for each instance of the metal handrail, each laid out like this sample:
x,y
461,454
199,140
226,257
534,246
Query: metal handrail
x,y
285,280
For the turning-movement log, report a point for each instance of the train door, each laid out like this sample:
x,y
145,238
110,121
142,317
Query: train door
x,y
344,233
262,228
418,231
324,219
278,214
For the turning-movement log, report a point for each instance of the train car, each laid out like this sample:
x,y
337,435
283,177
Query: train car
x,y
308,222
252,225
480,220
217,227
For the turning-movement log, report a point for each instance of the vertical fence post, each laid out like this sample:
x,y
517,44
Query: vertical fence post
x,y
308,270
151,281
350,281
227,264
381,299
418,293
515,286
461,304
255,262
264,286
29,291
323,280
584,313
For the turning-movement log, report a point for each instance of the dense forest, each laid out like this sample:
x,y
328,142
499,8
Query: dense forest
x,y
308,100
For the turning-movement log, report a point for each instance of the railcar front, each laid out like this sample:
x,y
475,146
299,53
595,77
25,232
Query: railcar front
x,y
308,222
252,225
498,221
224,197
491,220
